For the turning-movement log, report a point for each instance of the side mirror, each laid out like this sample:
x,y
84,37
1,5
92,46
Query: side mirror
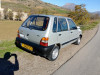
x,y
78,27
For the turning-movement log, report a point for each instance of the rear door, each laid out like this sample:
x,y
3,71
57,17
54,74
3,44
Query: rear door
x,y
30,35
63,33
53,36
73,30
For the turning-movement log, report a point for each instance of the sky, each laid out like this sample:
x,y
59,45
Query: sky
x,y
91,5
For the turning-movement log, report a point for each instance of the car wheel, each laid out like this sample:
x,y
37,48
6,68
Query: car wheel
x,y
78,41
54,54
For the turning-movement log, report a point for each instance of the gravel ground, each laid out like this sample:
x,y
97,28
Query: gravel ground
x,y
35,65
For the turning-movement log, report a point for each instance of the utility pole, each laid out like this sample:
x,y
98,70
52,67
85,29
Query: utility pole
x,y
0,4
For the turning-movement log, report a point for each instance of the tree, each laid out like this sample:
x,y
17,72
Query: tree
x,y
95,16
0,16
5,13
80,15
10,15
19,15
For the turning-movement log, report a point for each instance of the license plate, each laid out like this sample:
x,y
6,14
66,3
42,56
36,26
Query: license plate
x,y
27,47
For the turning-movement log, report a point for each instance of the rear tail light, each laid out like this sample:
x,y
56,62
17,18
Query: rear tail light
x,y
18,34
44,41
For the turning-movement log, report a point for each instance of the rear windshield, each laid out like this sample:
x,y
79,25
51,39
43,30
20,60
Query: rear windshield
x,y
36,22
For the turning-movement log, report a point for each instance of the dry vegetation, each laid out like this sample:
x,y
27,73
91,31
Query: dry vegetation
x,y
8,29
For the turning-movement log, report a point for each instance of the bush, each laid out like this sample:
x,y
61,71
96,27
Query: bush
x,y
80,15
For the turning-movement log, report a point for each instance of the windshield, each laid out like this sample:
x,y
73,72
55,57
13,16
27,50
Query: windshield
x,y
36,22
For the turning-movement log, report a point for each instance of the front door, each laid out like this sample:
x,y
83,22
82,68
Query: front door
x,y
63,33
73,30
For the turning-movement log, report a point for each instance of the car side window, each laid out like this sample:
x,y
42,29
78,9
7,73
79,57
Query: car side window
x,y
55,25
72,24
62,24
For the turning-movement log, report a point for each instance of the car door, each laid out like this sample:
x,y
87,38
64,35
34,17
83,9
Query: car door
x,y
53,36
63,33
73,30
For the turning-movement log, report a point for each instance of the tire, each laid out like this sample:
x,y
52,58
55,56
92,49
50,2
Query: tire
x,y
78,41
54,54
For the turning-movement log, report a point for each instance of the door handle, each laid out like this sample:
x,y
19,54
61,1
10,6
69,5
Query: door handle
x,y
59,34
27,34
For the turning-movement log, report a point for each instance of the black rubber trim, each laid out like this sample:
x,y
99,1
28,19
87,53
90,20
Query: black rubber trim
x,y
69,41
36,48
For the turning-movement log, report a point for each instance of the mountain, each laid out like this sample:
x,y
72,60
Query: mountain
x,y
70,6
97,12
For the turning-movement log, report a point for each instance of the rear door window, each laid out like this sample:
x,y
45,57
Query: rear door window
x,y
62,24
36,22
55,25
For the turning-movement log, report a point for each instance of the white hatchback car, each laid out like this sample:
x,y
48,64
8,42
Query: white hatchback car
x,y
47,34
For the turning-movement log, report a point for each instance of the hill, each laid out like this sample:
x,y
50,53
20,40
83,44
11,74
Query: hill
x,y
97,12
26,5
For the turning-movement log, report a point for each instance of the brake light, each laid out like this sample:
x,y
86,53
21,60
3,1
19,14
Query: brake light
x,y
44,41
18,34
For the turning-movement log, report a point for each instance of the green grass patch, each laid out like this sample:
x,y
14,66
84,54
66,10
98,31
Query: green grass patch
x,y
89,26
8,46
60,11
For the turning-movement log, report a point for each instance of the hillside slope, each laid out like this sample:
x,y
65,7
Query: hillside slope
x,y
31,3
26,5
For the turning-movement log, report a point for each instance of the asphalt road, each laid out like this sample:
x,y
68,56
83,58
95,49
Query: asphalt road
x,y
85,62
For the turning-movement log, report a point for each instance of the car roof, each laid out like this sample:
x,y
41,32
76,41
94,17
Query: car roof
x,y
51,16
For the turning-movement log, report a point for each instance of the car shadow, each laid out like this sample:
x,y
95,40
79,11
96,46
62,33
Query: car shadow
x,y
36,53
7,67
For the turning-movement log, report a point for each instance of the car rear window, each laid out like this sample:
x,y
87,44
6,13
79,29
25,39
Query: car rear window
x,y
36,22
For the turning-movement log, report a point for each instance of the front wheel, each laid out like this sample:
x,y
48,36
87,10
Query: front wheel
x,y
54,54
78,41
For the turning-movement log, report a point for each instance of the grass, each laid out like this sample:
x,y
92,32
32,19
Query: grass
x,y
60,11
8,46
8,29
89,25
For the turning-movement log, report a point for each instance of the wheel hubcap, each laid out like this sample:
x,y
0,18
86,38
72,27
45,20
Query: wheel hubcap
x,y
55,53
79,40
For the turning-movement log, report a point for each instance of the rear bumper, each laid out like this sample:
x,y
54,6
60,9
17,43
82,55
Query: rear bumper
x,y
36,48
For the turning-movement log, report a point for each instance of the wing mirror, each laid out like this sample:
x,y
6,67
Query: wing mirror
x,y
78,27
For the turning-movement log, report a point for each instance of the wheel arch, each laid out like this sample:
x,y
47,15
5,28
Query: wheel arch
x,y
80,35
59,45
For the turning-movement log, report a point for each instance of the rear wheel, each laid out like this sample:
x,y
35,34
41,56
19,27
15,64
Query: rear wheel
x,y
54,54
